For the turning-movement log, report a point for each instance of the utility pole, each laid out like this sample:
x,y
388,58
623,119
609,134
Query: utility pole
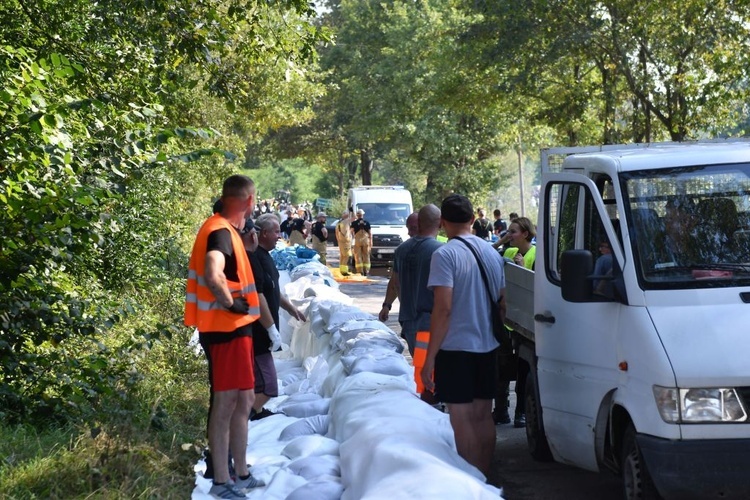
x,y
519,153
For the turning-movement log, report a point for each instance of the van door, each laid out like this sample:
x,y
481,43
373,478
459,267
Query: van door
x,y
576,343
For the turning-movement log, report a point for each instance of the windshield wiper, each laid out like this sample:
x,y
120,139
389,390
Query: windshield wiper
x,y
706,266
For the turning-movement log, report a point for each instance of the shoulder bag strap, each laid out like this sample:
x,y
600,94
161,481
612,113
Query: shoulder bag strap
x,y
498,331
481,269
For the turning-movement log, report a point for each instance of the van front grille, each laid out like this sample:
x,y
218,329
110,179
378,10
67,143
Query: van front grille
x,y
386,240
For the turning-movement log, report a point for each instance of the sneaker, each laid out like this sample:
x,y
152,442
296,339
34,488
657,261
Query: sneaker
x,y
501,417
248,483
209,473
519,420
225,490
263,413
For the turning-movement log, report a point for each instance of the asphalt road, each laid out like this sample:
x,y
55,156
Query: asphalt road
x,y
514,470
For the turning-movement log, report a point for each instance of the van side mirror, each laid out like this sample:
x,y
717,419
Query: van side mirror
x,y
575,268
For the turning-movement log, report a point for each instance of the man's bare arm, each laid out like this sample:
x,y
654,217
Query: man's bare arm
x,y
391,294
215,278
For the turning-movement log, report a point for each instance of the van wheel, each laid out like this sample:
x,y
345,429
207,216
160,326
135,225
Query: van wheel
x,y
636,480
536,439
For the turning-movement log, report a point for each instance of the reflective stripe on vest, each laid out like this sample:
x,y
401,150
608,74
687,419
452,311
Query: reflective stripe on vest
x,y
419,358
201,307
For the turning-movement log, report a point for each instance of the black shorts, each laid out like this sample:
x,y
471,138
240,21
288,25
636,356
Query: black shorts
x,y
461,377
265,375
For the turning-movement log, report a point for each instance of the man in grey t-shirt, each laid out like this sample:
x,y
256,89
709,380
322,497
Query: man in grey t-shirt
x,y
411,268
462,346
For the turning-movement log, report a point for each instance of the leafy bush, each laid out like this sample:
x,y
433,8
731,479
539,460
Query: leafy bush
x,y
85,233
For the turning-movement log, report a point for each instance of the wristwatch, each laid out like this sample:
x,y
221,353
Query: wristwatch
x,y
387,305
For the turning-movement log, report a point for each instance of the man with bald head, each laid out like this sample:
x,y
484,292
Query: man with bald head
x,y
411,268
412,224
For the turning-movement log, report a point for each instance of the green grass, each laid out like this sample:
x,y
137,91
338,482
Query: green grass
x,y
144,449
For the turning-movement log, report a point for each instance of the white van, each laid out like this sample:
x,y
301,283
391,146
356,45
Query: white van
x,y
386,209
649,375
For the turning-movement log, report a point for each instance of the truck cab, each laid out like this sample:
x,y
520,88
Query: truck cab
x,y
386,209
642,370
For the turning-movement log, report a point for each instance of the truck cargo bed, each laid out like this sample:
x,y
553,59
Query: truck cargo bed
x,y
519,299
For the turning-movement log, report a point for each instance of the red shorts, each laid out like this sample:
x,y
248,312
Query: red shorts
x,y
230,365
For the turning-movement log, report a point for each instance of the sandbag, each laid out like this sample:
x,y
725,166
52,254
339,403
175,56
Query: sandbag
x,y
317,424
316,466
313,445
321,488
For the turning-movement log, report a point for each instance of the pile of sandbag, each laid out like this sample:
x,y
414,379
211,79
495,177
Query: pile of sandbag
x,y
352,425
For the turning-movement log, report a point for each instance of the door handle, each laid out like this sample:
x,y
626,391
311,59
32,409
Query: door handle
x,y
544,318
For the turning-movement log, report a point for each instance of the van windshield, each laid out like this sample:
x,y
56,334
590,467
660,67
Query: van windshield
x,y
690,227
385,213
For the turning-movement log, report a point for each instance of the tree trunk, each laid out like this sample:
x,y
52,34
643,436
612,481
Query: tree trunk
x,y
366,162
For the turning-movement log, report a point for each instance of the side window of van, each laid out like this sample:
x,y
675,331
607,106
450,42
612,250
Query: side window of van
x,y
562,217
575,223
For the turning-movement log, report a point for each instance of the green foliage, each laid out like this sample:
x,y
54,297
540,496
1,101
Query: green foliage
x,y
80,223
616,71
295,176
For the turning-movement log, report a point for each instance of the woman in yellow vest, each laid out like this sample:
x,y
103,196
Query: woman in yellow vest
x,y
521,252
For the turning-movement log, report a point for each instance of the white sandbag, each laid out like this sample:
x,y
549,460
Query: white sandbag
x,y
313,268
352,328
312,467
313,445
305,344
368,394
317,424
288,373
300,398
320,488
342,315
402,458
375,339
319,314
281,485
315,286
365,409
378,360
307,409
336,374
317,371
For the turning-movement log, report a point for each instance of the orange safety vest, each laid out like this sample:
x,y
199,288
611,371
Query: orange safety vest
x,y
419,358
201,307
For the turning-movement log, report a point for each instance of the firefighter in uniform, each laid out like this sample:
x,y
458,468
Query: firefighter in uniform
x,y
344,239
298,234
320,236
362,243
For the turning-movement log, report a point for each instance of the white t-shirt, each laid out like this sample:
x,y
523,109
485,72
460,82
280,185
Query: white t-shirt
x,y
454,266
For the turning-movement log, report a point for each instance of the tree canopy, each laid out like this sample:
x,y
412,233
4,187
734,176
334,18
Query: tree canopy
x,y
119,119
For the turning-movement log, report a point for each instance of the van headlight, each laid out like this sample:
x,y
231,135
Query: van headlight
x,y
682,406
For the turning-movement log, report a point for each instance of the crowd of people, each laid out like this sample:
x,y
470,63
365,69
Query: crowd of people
x,y
447,293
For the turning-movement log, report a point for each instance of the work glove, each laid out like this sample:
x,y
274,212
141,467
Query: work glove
x,y
239,306
275,336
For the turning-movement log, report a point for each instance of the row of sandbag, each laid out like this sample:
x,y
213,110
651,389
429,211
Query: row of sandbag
x,y
352,425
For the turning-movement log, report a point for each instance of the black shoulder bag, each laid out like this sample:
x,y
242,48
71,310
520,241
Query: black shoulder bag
x,y
498,328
